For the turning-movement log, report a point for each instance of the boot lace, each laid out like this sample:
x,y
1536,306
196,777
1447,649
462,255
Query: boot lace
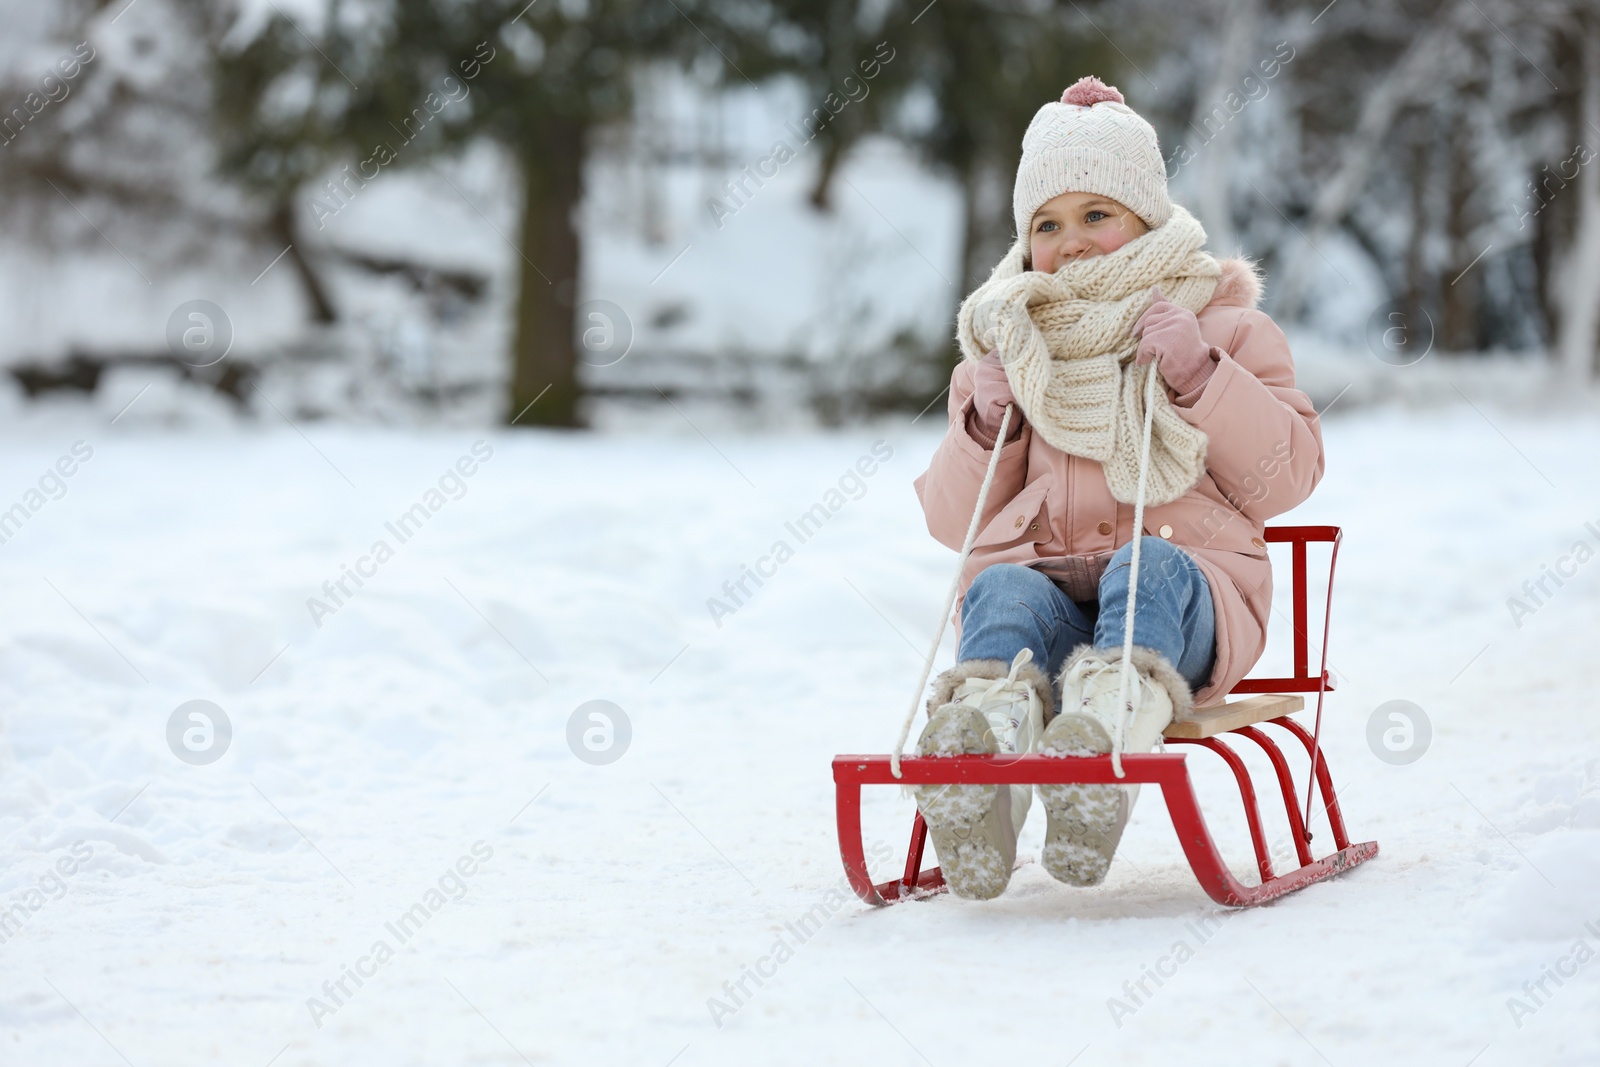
x,y
1006,726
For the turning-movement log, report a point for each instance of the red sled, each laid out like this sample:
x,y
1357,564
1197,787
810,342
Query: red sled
x,y
1270,701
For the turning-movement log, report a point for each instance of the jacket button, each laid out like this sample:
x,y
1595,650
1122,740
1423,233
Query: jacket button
x,y
1258,542
1033,526
1018,524
1104,527
1165,531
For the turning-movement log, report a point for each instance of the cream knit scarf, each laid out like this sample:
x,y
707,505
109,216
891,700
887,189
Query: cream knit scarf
x,y
1065,341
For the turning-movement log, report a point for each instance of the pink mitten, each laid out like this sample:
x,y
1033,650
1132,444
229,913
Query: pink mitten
x,y
1172,334
991,392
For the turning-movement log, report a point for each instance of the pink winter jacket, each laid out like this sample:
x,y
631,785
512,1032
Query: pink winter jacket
x,y
1264,456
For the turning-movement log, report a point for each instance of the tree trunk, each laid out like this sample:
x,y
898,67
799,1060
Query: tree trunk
x,y
544,383
1580,293
1458,326
1414,301
282,226
833,149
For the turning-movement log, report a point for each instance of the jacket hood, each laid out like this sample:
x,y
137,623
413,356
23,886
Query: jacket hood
x,y
1239,284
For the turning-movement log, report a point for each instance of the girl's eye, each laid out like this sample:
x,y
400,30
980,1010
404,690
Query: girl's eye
x,y
1096,211
1045,223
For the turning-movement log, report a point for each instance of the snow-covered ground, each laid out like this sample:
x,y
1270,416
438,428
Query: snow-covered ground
x,y
411,756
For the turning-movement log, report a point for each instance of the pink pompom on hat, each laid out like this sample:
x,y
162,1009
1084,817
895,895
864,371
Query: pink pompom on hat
x,y
1089,90
1091,141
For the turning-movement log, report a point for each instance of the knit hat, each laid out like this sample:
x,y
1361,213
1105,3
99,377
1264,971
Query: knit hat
x,y
1091,142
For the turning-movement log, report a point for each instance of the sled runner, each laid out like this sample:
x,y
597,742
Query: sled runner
x,y
1268,701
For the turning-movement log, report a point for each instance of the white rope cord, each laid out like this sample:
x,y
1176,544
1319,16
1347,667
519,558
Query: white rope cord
x,y
950,595
1133,575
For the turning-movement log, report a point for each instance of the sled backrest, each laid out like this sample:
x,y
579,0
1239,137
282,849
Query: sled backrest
x,y
1303,680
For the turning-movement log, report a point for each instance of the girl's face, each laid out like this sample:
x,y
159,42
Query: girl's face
x,y
1076,226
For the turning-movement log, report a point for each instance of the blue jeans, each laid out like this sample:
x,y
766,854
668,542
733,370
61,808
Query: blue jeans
x,y
1010,607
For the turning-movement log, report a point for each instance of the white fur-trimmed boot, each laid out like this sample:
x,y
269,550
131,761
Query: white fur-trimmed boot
x,y
1085,822
981,707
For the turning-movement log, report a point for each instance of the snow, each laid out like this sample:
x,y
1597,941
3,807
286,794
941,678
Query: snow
x,y
430,713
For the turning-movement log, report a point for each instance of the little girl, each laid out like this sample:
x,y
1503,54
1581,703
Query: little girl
x,y
1107,282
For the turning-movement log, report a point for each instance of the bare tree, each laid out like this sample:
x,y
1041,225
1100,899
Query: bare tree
x,y
112,146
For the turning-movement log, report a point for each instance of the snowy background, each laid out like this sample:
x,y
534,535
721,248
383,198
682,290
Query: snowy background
x,y
412,744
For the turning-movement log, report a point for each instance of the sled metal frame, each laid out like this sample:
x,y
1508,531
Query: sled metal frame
x,y
1169,770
